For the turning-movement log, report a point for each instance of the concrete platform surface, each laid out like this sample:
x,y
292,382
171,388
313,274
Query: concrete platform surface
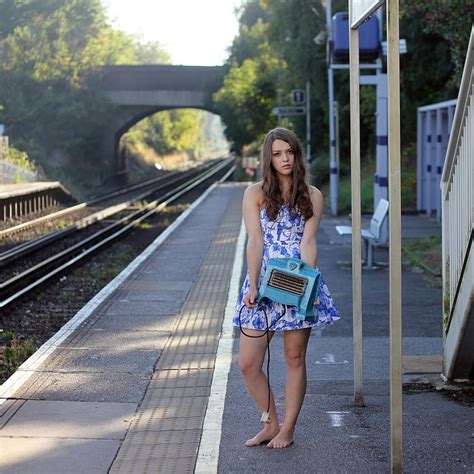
x,y
10,190
332,435
148,380
126,390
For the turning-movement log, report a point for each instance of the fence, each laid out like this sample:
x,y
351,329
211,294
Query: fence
x,y
458,224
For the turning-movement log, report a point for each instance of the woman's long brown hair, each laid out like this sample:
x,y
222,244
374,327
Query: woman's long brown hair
x,y
299,201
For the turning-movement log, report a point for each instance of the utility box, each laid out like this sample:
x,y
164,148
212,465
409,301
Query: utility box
x,y
369,41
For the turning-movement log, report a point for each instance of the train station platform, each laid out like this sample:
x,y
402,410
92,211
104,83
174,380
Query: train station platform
x,y
9,190
18,200
145,379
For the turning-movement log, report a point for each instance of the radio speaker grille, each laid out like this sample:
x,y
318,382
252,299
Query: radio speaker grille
x,y
291,283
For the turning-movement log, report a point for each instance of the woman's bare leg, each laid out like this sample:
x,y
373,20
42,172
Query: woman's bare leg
x,y
295,343
251,357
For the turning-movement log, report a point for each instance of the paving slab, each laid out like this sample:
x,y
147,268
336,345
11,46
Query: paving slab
x,y
128,340
84,387
53,455
131,322
100,360
60,419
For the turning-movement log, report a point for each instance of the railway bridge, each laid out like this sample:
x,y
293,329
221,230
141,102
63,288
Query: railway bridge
x,y
140,91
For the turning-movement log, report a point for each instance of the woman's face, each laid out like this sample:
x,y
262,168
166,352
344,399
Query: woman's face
x,y
283,157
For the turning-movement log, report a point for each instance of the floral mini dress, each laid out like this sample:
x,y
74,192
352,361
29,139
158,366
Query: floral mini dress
x,y
282,239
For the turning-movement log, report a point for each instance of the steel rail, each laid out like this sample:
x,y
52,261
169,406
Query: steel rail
x,y
35,244
151,209
77,207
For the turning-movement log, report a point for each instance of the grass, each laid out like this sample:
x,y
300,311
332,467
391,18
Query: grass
x,y
13,352
424,253
366,191
407,189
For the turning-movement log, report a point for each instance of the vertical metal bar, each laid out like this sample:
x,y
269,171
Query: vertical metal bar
x,y
333,165
439,162
356,211
428,162
336,128
419,161
308,122
381,187
393,70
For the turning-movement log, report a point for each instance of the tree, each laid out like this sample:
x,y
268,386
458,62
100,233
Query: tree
x,y
52,106
247,97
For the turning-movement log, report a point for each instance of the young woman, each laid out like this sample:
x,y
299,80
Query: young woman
x,y
282,215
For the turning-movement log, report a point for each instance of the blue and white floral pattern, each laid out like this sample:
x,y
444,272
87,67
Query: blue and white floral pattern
x,y
282,239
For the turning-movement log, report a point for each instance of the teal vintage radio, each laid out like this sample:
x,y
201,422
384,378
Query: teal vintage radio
x,y
291,282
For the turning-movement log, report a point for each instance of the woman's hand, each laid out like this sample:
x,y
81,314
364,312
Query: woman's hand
x,y
250,299
316,302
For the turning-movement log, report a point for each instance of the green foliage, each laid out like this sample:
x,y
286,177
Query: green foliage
x,y
424,253
51,101
247,44
18,158
15,351
437,34
450,20
247,97
366,190
168,131
268,58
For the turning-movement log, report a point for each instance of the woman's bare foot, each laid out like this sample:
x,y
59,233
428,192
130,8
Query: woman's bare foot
x,y
264,436
283,439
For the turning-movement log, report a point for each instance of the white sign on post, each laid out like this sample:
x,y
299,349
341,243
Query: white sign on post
x,y
287,111
362,9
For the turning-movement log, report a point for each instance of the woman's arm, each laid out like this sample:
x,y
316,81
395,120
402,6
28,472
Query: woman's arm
x,y
251,213
308,245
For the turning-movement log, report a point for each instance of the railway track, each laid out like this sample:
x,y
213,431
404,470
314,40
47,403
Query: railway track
x,y
96,205
115,220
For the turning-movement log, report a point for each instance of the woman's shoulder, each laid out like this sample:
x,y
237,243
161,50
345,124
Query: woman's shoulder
x,y
315,194
254,192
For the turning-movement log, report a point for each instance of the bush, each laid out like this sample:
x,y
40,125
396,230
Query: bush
x,y
18,158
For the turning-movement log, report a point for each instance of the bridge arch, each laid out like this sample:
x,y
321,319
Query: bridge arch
x,y
140,91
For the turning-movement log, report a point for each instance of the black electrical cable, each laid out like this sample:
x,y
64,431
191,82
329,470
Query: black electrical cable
x,y
267,333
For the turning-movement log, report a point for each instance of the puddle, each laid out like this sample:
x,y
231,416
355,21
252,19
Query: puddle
x,y
337,418
331,359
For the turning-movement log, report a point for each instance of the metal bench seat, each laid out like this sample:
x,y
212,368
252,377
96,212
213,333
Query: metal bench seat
x,y
371,237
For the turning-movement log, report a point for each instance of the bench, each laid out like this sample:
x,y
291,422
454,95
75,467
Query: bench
x,y
372,236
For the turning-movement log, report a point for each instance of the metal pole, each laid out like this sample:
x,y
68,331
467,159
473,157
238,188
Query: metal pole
x,y
333,166
381,191
393,70
336,128
308,122
356,211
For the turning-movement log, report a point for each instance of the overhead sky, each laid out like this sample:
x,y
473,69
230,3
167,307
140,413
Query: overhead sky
x,y
193,32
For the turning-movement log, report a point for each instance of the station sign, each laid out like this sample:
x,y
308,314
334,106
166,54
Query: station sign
x,y
287,111
297,96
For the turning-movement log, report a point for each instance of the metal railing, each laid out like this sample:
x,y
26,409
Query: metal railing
x,y
433,130
457,189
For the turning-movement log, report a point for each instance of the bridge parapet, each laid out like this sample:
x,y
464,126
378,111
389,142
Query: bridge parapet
x,y
162,85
